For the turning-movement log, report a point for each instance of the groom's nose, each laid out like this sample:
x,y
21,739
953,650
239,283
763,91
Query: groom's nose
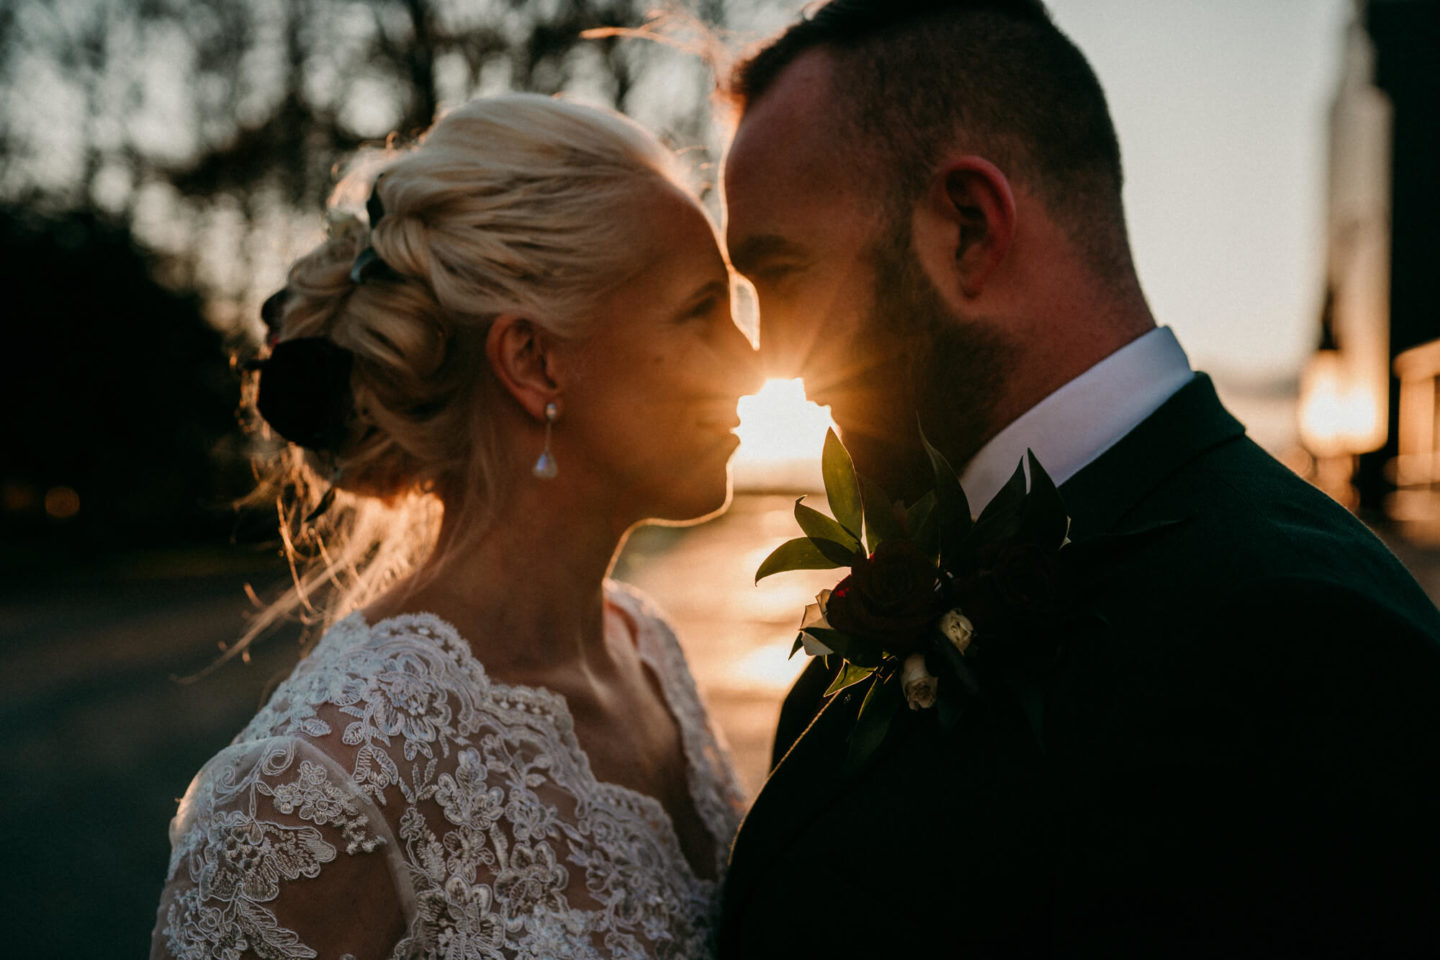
x,y
782,354
747,372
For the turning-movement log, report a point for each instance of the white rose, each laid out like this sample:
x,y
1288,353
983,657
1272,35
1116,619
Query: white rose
x,y
814,647
957,628
919,684
815,617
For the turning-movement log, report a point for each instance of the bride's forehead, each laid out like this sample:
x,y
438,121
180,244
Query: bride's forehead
x,y
676,261
673,228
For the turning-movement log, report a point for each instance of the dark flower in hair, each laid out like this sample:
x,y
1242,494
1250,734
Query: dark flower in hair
x,y
272,313
305,392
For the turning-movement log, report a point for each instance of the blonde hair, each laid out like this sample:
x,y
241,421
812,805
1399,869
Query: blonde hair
x,y
512,204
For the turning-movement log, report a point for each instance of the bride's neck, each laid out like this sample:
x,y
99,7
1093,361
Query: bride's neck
x,y
528,592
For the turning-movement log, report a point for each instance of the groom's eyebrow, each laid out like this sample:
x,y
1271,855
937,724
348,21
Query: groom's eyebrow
x,y
752,252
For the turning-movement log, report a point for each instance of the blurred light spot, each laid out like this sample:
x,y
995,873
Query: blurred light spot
x,y
767,668
780,523
781,436
1337,415
778,423
18,497
62,503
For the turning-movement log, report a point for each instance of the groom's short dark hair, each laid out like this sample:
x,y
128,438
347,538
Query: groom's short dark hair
x,y
912,75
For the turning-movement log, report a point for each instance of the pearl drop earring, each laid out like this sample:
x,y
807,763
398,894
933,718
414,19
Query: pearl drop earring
x,y
545,468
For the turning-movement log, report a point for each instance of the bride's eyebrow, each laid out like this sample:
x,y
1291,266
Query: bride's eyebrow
x,y
752,252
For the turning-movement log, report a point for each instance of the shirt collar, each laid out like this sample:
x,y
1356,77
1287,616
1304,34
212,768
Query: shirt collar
x,y
1085,417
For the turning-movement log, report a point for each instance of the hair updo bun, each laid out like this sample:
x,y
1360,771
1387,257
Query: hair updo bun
x,y
518,203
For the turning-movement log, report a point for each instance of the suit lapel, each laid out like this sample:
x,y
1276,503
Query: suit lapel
x,y
1189,423
805,780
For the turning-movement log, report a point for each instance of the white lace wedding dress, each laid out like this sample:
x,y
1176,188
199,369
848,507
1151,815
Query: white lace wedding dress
x,y
390,757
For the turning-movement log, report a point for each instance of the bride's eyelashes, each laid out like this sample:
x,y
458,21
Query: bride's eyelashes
x,y
702,309
712,304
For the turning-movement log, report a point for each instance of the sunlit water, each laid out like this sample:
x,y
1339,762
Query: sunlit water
x,y
781,435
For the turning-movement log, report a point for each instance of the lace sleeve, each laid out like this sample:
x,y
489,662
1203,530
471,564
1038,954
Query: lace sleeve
x,y
276,854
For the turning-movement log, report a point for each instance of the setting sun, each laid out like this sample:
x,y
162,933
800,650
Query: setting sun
x,y
781,436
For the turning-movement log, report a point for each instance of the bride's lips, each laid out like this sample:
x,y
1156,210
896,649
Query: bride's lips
x,y
721,427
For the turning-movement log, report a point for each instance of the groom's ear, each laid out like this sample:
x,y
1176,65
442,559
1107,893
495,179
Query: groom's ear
x,y
965,223
523,358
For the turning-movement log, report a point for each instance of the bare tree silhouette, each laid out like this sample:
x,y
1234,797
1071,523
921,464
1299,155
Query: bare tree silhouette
x,y
193,142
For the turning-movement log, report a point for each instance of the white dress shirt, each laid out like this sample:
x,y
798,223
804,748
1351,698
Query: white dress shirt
x,y
1087,416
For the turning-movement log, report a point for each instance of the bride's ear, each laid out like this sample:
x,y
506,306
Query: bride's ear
x,y
965,224
523,358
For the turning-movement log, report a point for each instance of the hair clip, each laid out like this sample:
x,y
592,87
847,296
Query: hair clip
x,y
368,266
272,313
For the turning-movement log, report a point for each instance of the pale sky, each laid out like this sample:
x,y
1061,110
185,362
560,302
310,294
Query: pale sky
x,y
1221,107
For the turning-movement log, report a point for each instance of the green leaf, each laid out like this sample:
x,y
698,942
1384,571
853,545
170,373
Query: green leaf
x,y
952,508
1001,517
803,553
922,522
880,522
837,553
1044,518
849,675
918,513
879,708
842,488
820,527
798,645
857,650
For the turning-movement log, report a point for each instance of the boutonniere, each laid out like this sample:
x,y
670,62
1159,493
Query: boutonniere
x,y
932,597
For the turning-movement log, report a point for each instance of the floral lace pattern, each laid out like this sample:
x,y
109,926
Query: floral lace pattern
x,y
391,741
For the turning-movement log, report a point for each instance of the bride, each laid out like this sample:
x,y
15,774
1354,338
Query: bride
x,y
495,751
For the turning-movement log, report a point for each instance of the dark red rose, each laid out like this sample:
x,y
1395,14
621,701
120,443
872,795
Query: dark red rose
x,y
889,596
1012,588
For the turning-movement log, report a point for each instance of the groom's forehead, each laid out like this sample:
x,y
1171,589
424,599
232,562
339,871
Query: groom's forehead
x,y
790,131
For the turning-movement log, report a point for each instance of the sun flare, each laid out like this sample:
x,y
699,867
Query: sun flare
x,y
781,436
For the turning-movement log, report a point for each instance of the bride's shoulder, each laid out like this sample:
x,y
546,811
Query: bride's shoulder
x,y
654,632
637,605
357,668
655,636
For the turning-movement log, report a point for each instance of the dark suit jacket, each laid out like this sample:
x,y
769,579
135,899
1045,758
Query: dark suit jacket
x,y
1244,760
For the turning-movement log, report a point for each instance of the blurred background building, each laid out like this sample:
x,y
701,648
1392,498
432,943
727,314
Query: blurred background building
x,y
1368,402
161,161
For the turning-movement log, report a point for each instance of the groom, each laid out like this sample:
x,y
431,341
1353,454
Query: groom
x,y
1245,759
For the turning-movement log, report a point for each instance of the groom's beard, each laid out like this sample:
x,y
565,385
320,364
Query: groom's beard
x,y
949,376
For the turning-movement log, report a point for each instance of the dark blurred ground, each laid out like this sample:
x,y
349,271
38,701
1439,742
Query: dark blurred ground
x,y
98,741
